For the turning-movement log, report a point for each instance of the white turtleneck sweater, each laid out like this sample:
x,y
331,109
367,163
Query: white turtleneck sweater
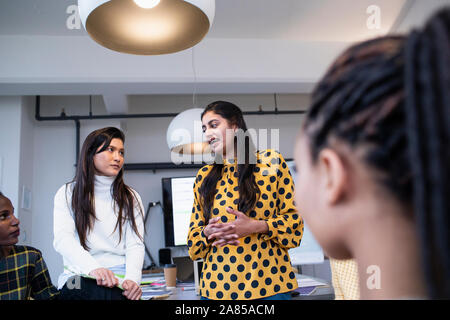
x,y
105,249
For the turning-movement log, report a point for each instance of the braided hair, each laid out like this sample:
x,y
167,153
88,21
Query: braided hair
x,y
391,97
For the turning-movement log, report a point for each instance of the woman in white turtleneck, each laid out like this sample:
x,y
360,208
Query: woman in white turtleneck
x,y
98,224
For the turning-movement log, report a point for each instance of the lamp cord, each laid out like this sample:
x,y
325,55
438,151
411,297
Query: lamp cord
x,y
194,95
90,105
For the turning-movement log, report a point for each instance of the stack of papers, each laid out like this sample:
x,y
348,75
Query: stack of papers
x,y
307,285
309,282
154,287
154,280
151,293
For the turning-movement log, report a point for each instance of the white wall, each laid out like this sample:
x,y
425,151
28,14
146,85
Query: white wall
x,y
74,65
10,123
16,151
26,168
54,158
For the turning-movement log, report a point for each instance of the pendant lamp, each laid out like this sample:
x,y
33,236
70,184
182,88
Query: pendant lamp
x,y
185,135
147,27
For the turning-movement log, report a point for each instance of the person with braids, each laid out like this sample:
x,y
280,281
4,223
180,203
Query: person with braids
x,y
98,224
244,218
373,160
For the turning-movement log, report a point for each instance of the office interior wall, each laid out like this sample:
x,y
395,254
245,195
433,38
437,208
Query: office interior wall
x,y
26,166
10,124
54,154
16,153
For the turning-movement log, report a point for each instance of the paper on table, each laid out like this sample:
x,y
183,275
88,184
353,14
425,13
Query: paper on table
x,y
148,292
147,295
309,282
305,291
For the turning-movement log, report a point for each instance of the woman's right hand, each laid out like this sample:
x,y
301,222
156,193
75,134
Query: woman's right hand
x,y
225,232
104,277
210,227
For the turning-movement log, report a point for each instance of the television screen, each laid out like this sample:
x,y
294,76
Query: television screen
x,y
178,198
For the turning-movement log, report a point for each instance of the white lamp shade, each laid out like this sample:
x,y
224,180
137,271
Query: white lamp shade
x,y
124,26
185,134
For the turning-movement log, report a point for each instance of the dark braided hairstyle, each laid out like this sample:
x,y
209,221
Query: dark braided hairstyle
x,y
391,97
248,189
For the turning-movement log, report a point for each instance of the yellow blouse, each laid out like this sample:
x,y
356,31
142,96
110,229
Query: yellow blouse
x,y
260,265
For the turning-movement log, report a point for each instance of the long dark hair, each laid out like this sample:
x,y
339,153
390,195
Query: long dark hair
x,y
248,189
83,204
391,95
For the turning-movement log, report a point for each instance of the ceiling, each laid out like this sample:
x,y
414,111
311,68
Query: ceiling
x,y
308,20
254,46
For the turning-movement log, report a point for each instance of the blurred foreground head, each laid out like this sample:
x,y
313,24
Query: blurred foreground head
x,y
387,100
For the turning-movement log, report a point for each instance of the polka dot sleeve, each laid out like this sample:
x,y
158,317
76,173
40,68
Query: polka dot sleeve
x,y
286,225
198,245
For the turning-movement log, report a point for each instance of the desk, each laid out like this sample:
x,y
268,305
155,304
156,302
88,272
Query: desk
x,y
320,293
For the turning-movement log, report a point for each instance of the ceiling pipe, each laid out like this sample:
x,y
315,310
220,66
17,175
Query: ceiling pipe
x,y
64,117
139,166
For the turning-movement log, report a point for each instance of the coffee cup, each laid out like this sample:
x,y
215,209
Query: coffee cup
x,y
170,275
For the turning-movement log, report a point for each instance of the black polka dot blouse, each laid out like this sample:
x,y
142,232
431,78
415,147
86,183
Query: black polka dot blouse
x,y
260,265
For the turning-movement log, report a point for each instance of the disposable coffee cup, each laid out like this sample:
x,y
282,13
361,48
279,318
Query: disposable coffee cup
x,y
170,274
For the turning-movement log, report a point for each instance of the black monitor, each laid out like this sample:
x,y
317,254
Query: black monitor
x,y
178,199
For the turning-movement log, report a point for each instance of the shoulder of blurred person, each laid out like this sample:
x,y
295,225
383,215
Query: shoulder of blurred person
x,y
345,279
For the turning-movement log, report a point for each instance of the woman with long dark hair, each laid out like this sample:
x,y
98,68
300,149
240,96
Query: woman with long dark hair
x,y
243,219
98,223
373,162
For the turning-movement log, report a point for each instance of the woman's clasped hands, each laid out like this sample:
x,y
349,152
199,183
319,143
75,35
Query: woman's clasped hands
x,y
230,232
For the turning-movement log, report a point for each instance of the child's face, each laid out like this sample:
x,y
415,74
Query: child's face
x,y
9,224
